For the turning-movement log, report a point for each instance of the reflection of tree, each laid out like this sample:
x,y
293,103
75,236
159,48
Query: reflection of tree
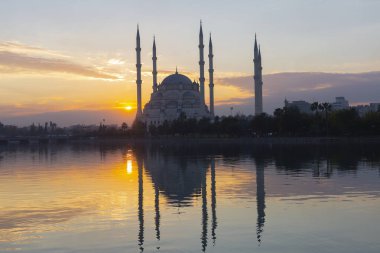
x,y
322,160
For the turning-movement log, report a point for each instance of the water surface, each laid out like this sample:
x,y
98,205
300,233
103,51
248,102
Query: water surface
x,y
176,198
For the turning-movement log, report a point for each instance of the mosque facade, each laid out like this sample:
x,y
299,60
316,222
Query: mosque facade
x,y
177,95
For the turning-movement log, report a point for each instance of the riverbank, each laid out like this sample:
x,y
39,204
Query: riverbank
x,y
196,140
263,140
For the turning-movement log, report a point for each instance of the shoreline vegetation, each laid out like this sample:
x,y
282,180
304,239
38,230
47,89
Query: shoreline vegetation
x,y
182,140
287,125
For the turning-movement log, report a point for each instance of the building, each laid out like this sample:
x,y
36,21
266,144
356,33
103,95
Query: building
x,y
176,95
301,105
305,107
258,79
340,104
364,109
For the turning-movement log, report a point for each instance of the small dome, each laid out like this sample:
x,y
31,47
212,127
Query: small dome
x,y
177,81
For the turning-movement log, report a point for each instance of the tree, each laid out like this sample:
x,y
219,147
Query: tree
x,y
124,127
138,128
314,107
290,121
326,108
262,124
345,122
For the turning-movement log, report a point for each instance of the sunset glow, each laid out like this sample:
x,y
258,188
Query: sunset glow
x,y
96,69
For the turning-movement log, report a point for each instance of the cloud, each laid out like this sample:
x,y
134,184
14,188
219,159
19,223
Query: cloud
x,y
17,116
17,47
19,58
114,61
309,86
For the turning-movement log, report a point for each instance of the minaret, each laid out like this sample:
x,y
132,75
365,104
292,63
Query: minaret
x,y
211,77
201,66
154,58
138,80
258,80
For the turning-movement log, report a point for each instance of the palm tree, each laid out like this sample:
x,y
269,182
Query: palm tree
x,y
325,107
124,127
314,107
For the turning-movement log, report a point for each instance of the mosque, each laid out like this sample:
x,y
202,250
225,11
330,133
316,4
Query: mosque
x,y
177,95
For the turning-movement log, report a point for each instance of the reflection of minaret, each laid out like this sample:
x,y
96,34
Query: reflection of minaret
x,y
141,208
213,200
204,212
157,211
260,198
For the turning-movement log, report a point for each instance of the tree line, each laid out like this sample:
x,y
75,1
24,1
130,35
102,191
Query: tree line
x,y
286,121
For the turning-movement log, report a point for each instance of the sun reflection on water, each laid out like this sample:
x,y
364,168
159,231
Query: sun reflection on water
x,y
129,167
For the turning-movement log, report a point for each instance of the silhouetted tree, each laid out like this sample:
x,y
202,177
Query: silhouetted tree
x,y
345,122
124,127
138,128
262,124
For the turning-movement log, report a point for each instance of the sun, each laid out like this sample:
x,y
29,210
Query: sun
x,y
128,108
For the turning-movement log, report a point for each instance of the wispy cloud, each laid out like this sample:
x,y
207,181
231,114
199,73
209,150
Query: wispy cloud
x,y
303,81
17,47
20,58
114,61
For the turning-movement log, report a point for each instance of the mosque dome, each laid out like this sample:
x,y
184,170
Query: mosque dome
x,y
176,82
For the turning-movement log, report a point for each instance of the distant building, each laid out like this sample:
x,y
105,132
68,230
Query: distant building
x,y
375,107
340,104
301,105
305,107
364,109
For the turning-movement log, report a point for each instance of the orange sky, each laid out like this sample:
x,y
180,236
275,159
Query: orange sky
x,y
59,56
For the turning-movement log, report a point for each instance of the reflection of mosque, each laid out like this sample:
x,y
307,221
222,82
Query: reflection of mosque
x,y
179,180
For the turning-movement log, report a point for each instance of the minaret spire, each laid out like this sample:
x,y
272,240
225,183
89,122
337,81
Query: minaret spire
x,y
138,68
201,66
259,57
255,47
211,77
258,79
154,58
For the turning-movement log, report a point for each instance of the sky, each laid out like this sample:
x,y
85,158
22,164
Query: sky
x,y
74,61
